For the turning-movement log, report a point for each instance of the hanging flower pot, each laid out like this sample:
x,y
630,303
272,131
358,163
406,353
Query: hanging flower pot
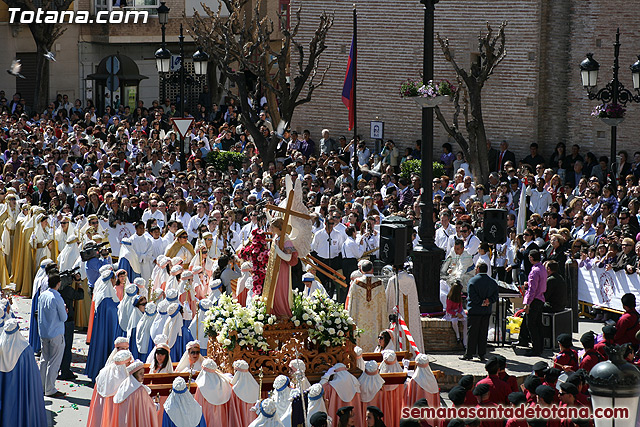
x,y
612,121
430,102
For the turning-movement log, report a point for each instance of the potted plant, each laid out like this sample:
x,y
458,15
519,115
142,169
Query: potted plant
x,y
611,114
427,95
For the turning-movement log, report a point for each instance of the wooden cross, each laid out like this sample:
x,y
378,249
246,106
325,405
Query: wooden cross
x,y
283,232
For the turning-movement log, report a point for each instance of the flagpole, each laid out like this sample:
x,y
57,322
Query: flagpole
x,y
355,78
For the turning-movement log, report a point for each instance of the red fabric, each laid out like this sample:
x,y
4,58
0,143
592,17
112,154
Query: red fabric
x,y
92,314
242,297
137,410
239,412
391,405
413,393
214,415
489,423
600,348
569,357
470,399
95,410
511,381
516,422
334,403
626,328
499,390
590,359
107,411
453,308
281,294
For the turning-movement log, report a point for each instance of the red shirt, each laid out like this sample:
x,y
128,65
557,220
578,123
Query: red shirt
x,y
626,328
499,390
590,359
600,348
489,423
470,399
511,381
567,357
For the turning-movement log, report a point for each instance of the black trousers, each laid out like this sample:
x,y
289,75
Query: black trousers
x,y
534,324
65,366
329,285
477,331
349,265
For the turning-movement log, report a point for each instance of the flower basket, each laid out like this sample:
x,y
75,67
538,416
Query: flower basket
x,y
428,102
612,121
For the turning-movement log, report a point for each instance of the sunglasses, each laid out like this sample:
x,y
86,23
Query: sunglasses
x,y
194,352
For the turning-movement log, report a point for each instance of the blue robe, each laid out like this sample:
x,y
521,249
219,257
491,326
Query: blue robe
x,y
21,397
180,345
105,330
166,421
34,334
133,346
124,264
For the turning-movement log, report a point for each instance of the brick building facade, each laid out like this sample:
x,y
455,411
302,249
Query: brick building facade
x,y
534,95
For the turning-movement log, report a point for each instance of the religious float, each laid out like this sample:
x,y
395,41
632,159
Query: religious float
x,y
279,324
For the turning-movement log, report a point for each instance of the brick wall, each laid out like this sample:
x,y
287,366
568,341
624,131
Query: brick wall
x,y
534,95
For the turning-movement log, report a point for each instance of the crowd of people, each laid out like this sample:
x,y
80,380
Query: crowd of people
x,y
73,177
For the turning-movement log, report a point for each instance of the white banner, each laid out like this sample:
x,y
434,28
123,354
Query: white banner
x,y
117,234
604,288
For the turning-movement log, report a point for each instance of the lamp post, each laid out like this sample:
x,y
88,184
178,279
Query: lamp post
x,y
163,64
615,383
614,93
427,257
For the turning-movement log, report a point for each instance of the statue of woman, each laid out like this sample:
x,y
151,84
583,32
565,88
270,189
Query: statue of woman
x,y
280,297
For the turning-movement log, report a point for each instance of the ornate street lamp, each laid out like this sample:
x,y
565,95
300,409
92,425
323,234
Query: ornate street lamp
x,y
615,383
589,71
614,93
200,62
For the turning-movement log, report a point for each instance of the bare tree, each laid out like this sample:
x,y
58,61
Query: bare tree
x,y
44,34
474,145
241,45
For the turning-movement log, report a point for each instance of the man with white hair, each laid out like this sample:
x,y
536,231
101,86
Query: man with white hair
x,y
327,144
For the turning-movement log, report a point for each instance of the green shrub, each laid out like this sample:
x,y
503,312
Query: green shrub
x,y
413,166
221,160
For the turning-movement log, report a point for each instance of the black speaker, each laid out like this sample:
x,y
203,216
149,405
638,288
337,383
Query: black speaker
x,y
395,234
494,229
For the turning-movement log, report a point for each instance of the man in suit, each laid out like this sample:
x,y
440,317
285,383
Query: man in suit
x,y
504,156
573,177
483,291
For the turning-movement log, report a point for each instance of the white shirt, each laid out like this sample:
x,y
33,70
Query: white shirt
x,y
442,236
539,201
245,233
184,218
327,246
195,223
351,249
158,215
471,245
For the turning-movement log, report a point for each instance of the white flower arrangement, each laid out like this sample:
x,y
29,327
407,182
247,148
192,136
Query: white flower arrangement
x,y
329,324
231,324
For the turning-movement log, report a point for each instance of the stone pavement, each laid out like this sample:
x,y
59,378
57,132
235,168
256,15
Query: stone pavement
x,y
74,409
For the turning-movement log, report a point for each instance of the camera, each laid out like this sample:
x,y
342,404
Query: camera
x,y
67,277
91,250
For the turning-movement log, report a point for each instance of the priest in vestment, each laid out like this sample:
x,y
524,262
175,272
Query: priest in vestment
x,y
408,305
21,399
133,405
213,394
142,245
25,259
367,305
